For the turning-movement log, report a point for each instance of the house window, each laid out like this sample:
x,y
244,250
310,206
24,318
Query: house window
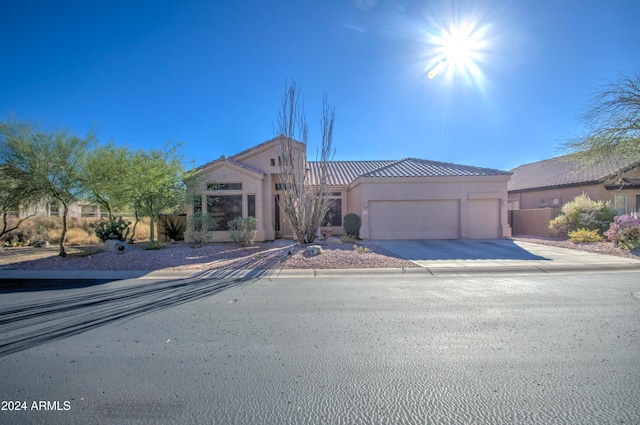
x,y
555,201
224,186
197,204
334,215
514,204
54,209
88,211
283,186
224,209
251,205
273,162
544,202
620,203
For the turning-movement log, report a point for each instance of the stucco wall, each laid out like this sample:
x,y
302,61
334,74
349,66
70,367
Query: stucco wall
x,y
462,189
252,184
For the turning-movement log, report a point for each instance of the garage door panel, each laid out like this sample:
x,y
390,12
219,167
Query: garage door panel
x,y
434,219
484,218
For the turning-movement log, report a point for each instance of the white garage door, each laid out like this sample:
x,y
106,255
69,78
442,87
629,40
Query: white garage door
x,y
414,219
484,218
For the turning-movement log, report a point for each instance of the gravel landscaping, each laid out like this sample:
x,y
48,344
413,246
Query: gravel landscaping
x,y
267,255
182,256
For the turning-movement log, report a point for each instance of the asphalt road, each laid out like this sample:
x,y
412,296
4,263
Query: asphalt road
x,y
524,349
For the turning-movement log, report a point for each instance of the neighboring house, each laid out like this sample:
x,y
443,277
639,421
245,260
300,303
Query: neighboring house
x,y
402,199
537,191
52,208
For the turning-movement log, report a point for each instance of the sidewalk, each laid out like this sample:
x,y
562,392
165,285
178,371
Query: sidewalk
x,y
548,260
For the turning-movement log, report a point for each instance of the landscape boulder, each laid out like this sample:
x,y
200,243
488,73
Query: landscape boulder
x,y
113,245
313,250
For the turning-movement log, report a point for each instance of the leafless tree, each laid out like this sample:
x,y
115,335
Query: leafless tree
x,y
303,200
612,117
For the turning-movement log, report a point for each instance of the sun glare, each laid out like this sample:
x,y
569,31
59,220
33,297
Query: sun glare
x,y
457,51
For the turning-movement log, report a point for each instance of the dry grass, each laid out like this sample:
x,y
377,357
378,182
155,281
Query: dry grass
x,y
79,231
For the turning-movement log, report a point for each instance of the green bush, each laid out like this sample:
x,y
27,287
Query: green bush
x,y
198,230
352,225
584,235
582,213
116,229
243,230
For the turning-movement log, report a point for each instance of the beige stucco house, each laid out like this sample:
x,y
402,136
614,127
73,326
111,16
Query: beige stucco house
x,y
538,190
397,199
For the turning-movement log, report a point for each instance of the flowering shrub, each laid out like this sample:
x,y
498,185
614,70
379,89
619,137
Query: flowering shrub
x,y
625,231
582,213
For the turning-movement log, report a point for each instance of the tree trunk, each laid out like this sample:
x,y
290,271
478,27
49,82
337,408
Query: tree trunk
x,y
152,229
63,235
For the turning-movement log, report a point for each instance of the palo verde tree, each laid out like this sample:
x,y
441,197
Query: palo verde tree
x,y
157,183
302,198
108,177
14,195
612,117
47,163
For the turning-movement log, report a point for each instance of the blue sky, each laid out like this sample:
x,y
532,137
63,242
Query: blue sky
x,y
210,74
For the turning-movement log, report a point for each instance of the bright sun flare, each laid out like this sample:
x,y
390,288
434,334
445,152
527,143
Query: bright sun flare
x,y
457,50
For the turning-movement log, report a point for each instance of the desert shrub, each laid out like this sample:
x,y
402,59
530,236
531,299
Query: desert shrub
x,y
198,227
582,213
348,239
352,225
243,230
625,231
117,229
584,235
142,230
559,226
172,226
16,241
155,245
49,229
77,236
361,249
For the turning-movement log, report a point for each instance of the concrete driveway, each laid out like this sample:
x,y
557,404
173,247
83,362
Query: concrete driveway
x,y
489,255
451,250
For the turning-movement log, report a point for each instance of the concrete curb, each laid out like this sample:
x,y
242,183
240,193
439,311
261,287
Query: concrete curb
x,y
446,269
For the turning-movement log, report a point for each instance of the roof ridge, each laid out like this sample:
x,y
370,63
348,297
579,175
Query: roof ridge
x,y
392,164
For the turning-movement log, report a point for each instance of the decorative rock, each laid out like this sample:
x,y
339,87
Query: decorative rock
x,y
313,250
113,245
41,244
333,240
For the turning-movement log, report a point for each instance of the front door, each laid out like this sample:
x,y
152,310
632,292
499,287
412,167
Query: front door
x,y
281,223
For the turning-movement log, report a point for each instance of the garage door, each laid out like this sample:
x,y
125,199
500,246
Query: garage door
x,y
414,219
484,218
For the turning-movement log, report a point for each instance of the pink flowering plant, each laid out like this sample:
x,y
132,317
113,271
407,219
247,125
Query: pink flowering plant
x,y
625,231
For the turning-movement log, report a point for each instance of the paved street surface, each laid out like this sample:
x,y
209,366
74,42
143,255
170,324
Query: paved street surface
x,y
407,349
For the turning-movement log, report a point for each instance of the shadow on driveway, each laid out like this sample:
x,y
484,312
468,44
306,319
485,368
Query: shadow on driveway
x,y
481,249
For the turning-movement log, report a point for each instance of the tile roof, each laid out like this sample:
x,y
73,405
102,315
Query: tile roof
x,y
234,162
341,173
345,172
414,167
566,171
